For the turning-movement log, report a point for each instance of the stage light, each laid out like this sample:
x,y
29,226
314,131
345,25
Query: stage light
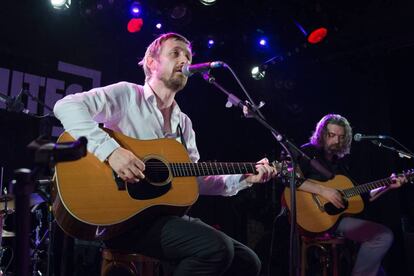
x,y
210,43
263,42
179,15
60,4
258,72
315,36
135,25
158,26
135,9
208,2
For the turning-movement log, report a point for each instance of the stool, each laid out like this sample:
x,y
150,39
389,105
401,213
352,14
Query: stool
x,y
116,262
328,256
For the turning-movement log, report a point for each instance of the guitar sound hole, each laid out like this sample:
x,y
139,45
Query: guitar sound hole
x,y
156,171
332,210
155,183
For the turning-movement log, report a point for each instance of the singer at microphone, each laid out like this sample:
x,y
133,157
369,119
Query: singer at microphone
x,y
189,69
358,137
148,112
329,144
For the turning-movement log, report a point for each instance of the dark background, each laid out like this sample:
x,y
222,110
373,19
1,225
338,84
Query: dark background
x,y
362,70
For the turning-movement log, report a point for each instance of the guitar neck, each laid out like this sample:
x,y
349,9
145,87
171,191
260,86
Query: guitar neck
x,y
211,168
365,188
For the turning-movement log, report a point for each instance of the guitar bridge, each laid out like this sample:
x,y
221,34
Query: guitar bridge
x,y
318,202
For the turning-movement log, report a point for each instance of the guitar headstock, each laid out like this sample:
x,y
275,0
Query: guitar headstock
x,y
278,166
284,169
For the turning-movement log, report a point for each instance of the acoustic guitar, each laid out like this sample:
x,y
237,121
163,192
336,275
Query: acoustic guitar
x,y
315,214
91,203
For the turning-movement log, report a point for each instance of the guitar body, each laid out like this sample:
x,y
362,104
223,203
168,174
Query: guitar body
x,y
315,214
90,202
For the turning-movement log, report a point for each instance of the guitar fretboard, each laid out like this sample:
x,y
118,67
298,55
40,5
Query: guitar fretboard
x,y
211,168
365,188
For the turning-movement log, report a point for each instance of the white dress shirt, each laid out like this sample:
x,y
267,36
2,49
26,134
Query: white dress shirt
x,y
132,110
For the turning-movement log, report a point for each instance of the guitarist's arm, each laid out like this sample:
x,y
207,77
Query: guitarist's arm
x,y
397,182
80,114
312,187
330,194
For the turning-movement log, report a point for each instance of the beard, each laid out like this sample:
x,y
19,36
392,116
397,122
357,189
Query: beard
x,y
176,82
334,149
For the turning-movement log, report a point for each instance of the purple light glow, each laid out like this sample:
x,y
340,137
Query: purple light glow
x,y
135,9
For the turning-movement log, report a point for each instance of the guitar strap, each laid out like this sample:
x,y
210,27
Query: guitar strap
x,y
180,132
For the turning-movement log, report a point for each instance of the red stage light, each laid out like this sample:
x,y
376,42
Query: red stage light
x,y
135,25
317,35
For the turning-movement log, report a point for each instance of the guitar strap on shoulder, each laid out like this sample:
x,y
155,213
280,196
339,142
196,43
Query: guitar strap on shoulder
x,y
180,132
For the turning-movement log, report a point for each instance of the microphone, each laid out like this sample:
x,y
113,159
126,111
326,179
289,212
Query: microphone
x,y
189,69
358,137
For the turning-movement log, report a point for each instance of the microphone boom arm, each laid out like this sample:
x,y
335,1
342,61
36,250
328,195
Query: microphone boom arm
x,y
400,153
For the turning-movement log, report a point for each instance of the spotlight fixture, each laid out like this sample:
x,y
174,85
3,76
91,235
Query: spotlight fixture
x,y
60,4
208,2
135,25
210,43
315,36
135,9
258,72
263,42
180,14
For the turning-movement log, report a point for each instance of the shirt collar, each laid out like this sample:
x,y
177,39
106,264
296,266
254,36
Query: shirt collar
x,y
148,93
150,97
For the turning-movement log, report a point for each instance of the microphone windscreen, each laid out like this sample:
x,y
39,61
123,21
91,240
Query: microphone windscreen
x,y
357,137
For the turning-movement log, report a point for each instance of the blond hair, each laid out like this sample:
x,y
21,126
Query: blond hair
x,y
154,49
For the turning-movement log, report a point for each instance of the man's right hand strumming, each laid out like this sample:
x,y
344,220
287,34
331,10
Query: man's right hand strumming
x,y
333,196
128,167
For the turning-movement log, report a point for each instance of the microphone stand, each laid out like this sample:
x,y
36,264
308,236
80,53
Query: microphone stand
x,y
38,101
250,110
401,154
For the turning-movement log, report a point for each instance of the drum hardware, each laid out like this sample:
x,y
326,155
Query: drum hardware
x,y
39,232
4,271
5,199
40,236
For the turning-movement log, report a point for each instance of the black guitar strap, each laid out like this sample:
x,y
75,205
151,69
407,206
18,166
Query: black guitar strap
x,y
180,132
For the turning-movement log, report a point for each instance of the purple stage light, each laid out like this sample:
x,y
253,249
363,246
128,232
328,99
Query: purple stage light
x,y
135,9
263,42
